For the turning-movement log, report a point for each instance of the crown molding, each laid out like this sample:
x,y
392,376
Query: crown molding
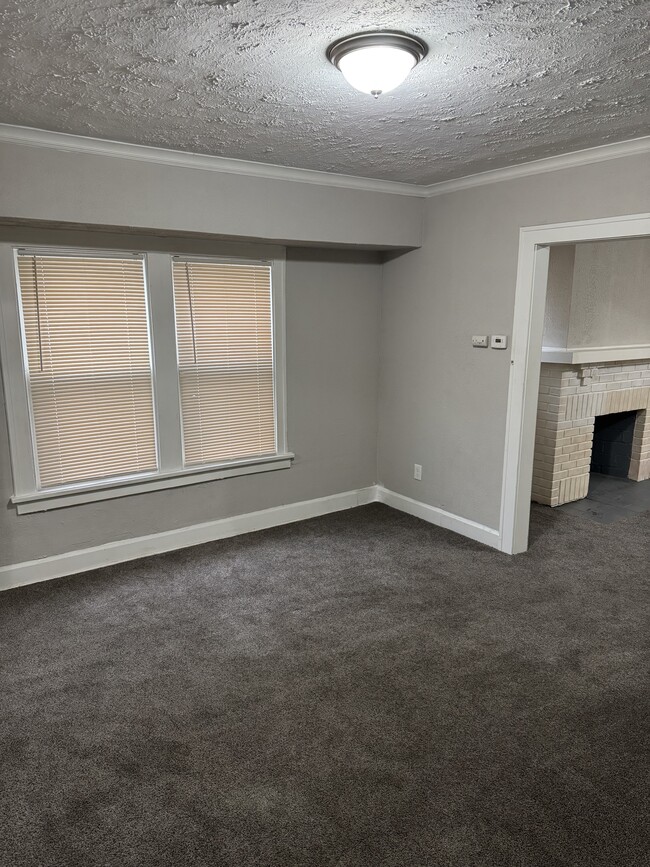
x,y
585,157
61,141
184,159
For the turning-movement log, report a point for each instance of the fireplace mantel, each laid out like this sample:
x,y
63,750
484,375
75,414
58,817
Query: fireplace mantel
x,y
594,354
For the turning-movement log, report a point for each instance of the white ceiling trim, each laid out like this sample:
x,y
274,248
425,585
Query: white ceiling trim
x,y
585,157
206,162
185,159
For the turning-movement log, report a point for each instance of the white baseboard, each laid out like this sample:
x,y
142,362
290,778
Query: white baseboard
x,y
463,526
83,560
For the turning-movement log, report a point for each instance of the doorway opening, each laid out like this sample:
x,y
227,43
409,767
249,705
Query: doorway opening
x,y
527,362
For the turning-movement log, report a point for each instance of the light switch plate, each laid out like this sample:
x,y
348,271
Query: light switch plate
x,y
480,341
499,341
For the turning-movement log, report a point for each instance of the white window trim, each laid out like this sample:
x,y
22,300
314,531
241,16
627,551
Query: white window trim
x,y
162,324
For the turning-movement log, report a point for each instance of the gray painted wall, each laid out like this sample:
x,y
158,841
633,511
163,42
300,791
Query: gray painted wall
x,y
558,295
47,184
332,371
442,403
598,294
610,303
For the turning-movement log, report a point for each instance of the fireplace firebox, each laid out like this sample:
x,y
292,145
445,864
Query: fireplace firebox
x,y
611,451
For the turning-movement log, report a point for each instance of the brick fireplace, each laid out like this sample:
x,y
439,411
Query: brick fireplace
x,y
570,398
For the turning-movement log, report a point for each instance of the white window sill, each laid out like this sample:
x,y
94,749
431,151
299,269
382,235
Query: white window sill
x,y
43,501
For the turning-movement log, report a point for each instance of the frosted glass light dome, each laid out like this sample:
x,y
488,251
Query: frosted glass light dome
x,y
376,69
376,63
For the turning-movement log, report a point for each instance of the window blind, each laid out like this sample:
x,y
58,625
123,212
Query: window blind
x,y
225,359
89,366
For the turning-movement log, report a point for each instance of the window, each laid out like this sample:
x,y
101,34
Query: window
x,y
225,360
88,366
128,372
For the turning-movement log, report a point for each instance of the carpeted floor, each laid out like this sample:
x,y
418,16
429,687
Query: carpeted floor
x,y
359,690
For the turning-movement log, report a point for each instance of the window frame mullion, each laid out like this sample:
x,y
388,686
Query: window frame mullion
x,y
162,325
278,313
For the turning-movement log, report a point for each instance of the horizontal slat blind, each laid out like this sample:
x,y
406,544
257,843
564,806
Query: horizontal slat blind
x,y
225,358
89,366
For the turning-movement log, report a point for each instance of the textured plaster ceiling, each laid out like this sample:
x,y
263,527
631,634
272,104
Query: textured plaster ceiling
x,y
504,82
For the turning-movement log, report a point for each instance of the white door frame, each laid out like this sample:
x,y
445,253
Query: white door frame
x,y
527,334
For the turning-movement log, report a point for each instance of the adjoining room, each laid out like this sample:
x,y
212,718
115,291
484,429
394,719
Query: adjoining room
x,y
592,446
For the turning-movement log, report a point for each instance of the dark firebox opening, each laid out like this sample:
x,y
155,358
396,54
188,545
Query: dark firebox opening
x,y
612,449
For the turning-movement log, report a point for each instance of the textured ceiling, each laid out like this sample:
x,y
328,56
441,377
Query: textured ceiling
x,y
504,82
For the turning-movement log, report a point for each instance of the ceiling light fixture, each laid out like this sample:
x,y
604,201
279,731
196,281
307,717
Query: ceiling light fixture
x,y
376,62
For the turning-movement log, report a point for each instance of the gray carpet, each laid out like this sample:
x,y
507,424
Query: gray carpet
x,y
359,690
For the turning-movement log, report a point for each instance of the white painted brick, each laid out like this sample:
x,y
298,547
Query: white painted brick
x,y
569,399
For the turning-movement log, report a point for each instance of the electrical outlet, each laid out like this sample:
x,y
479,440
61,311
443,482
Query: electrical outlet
x,y
417,472
480,341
